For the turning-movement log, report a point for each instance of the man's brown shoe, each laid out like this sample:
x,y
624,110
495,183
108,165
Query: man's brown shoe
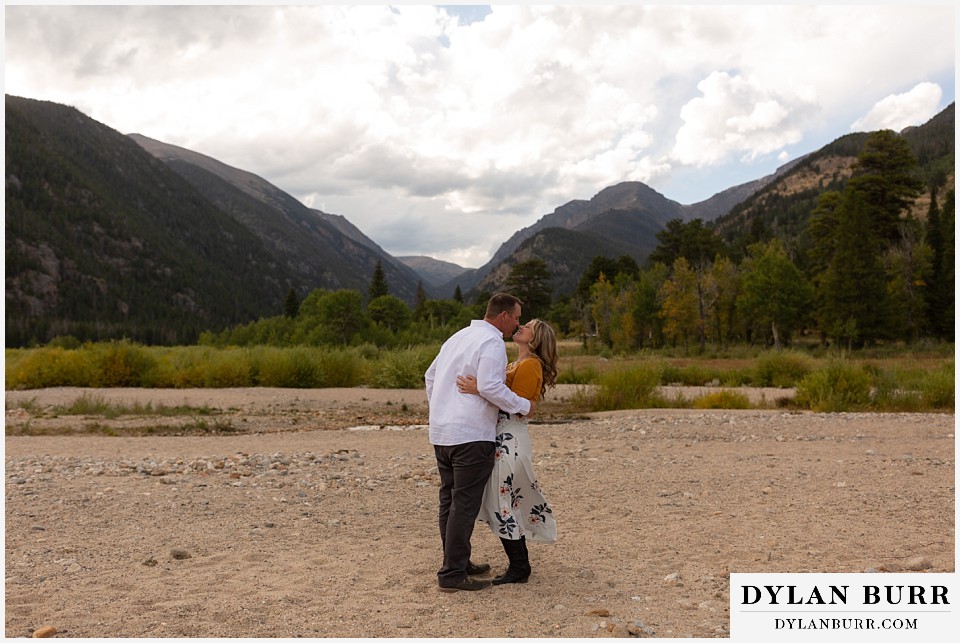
x,y
476,570
467,585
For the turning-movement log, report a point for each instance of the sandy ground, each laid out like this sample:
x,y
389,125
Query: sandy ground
x,y
313,513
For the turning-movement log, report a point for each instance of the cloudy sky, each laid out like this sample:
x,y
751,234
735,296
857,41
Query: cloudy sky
x,y
441,130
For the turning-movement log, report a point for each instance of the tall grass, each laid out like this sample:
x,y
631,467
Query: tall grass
x,y
902,388
628,388
722,400
840,386
782,369
87,404
844,385
938,387
578,375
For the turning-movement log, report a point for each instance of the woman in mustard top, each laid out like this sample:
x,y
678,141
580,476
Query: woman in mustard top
x,y
513,504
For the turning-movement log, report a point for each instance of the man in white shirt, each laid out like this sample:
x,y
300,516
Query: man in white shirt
x,y
463,430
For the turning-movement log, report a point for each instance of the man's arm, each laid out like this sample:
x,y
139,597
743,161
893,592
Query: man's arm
x,y
429,377
491,376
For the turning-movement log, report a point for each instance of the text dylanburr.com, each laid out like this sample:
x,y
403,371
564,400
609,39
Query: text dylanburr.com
x,y
844,607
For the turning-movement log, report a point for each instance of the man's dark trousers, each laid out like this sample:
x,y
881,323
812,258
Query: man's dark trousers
x,y
464,471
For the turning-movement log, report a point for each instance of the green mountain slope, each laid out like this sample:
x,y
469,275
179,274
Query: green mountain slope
x,y
782,208
104,241
567,253
323,250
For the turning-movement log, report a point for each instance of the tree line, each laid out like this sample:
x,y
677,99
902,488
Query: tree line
x,y
864,271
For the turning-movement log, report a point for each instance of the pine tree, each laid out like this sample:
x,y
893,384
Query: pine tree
x,y
291,307
693,241
599,265
389,312
420,302
948,220
936,297
886,182
909,270
458,295
851,294
378,283
530,281
822,228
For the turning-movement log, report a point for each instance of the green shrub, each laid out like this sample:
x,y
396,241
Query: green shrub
x,y
288,368
782,369
201,367
305,368
839,386
894,400
633,388
270,367
892,391
938,388
916,389
227,369
700,375
403,368
45,367
120,364
737,377
366,351
722,400
341,368
677,375
575,375
183,367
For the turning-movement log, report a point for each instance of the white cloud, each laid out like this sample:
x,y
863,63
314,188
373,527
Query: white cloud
x,y
404,119
898,111
737,116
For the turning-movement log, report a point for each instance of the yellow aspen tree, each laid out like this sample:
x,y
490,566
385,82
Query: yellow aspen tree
x,y
680,303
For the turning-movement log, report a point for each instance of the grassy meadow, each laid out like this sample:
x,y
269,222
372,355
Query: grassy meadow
x,y
898,379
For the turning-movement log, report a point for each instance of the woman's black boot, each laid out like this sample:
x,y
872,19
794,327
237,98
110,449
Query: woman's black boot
x,y
519,569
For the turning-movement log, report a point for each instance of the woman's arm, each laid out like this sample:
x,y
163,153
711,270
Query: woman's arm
x,y
467,384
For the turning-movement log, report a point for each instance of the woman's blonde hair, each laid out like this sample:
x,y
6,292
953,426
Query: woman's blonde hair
x,y
543,345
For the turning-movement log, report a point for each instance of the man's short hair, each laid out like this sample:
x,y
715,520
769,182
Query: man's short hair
x,y
501,303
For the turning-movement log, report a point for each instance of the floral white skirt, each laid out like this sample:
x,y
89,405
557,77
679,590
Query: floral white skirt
x,y
513,505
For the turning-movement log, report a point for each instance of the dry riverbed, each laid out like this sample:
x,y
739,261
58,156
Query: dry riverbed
x,y
285,513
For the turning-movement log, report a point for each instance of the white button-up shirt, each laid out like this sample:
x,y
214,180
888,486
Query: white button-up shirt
x,y
458,418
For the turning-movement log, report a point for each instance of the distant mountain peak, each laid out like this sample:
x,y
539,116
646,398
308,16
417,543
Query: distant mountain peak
x,y
435,272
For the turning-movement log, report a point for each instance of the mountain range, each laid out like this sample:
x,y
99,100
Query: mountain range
x,y
322,250
111,235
